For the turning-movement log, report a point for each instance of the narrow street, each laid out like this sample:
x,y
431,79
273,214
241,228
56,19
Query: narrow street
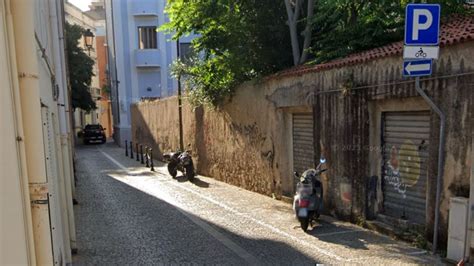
x,y
129,215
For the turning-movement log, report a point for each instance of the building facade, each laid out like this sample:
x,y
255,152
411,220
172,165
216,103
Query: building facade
x,y
139,57
36,164
77,17
379,137
104,106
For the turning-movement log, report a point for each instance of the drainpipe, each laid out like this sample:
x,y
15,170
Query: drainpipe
x,y
439,179
20,133
23,23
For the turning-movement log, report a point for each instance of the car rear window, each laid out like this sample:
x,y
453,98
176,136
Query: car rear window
x,y
93,127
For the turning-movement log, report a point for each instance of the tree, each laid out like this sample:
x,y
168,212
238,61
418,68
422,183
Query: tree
x,y
294,9
342,27
80,67
238,40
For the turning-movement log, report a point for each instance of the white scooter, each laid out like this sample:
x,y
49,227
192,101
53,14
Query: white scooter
x,y
308,201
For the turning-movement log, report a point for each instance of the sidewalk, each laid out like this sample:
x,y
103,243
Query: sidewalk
x,y
261,226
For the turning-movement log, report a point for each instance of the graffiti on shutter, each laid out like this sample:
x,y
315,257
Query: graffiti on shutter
x,y
405,154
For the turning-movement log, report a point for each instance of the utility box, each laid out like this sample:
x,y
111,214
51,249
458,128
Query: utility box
x,y
458,226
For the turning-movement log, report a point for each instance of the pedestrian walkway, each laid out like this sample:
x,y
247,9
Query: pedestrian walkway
x,y
129,215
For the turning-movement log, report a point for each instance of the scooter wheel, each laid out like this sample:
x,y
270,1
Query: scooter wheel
x,y
172,170
190,172
304,224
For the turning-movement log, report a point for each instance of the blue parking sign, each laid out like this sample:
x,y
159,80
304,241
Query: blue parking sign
x,y
422,24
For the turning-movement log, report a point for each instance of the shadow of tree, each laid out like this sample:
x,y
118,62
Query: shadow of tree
x,y
119,224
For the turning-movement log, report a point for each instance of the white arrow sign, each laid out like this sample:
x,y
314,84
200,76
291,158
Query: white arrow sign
x,y
420,67
414,68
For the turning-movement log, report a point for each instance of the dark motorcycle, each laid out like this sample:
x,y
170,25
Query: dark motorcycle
x,y
308,201
181,161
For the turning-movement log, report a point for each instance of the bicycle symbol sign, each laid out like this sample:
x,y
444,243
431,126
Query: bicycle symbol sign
x,y
420,54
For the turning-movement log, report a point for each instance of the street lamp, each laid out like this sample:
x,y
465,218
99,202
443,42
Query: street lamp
x,y
89,39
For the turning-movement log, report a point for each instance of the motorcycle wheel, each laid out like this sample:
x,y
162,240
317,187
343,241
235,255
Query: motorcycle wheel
x,y
190,172
304,224
172,170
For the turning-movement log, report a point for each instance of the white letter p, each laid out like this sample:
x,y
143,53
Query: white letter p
x,y
417,26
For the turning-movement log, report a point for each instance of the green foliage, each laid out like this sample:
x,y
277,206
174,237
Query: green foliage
x,y
106,89
342,27
238,40
80,67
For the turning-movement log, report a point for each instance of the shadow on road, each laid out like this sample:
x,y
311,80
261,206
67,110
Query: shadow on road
x,y
119,224
115,218
197,182
360,239
200,183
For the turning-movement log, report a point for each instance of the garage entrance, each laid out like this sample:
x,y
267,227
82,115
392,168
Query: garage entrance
x,y
303,142
405,142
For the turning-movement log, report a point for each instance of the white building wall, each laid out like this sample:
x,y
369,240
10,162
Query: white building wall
x,y
34,202
137,80
16,225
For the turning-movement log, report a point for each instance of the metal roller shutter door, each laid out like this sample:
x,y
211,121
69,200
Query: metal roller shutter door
x,y
405,153
303,148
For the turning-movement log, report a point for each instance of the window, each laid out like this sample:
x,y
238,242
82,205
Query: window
x,y
147,38
186,51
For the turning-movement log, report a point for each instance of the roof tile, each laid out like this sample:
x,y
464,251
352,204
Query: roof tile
x,y
455,30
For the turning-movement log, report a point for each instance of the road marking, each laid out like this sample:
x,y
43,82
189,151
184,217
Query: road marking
x,y
242,253
340,232
263,224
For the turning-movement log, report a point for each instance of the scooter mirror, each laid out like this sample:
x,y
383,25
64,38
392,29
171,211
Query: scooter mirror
x,y
322,160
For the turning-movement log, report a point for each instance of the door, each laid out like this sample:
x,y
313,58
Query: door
x,y
405,141
53,206
303,142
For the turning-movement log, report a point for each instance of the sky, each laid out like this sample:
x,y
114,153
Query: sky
x,y
82,4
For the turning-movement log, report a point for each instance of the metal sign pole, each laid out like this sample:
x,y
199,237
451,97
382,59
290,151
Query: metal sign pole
x,y
180,107
439,179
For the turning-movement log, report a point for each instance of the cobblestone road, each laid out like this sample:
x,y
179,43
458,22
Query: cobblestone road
x,y
128,215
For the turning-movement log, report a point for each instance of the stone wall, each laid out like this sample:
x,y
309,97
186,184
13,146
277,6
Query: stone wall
x,y
235,143
247,142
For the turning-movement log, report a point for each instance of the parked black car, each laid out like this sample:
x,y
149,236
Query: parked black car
x,y
93,133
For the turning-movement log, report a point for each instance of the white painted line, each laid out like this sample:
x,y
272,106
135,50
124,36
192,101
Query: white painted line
x,y
242,253
274,229
340,232
263,224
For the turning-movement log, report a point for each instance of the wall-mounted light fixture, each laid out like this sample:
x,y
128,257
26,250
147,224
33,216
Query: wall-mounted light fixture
x,y
89,40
